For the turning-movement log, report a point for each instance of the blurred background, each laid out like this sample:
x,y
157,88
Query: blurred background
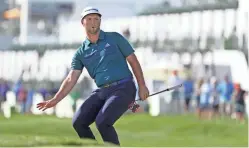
x,y
200,43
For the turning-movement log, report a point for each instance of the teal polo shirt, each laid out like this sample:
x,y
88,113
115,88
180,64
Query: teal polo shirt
x,y
105,61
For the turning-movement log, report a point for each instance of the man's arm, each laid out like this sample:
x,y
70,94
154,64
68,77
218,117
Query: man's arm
x,y
136,68
128,52
68,84
72,77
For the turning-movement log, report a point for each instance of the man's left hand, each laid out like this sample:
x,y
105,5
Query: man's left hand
x,y
143,92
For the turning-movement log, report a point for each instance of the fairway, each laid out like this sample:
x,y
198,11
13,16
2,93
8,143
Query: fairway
x,y
134,130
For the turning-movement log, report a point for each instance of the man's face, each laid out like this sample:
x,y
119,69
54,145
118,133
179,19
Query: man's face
x,y
91,23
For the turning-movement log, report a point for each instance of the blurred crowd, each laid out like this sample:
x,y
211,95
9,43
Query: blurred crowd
x,y
23,93
214,98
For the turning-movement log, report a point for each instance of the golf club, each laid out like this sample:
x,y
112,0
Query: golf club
x,y
134,106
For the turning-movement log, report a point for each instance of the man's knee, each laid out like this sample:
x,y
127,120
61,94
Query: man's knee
x,y
104,122
76,124
79,123
82,128
101,124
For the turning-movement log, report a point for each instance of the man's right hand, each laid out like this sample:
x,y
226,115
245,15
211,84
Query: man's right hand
x,y
47,104
65,88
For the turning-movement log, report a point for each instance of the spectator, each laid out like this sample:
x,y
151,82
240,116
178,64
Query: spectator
x,y
45,93
75,95
173,81
198,95
22,98
18,84
4,88
188,91
30,95
214,97
239,97
205,107
225,89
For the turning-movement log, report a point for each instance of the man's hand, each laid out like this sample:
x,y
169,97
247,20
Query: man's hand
x,y
65,88
143,92
47,104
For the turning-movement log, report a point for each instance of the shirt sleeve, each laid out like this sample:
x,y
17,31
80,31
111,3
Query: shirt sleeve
x,y
124,46
76,63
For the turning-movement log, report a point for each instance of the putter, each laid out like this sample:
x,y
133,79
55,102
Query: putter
x,y
134,106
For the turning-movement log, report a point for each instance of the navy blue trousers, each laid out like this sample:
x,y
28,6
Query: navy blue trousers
x,y
104,107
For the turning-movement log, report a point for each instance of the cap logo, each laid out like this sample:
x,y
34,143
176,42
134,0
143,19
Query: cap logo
x,y
91,10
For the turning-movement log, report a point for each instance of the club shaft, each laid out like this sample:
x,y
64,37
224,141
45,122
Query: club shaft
x,y
168,89
159,92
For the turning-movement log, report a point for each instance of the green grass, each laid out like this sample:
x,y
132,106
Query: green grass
x,y
134,130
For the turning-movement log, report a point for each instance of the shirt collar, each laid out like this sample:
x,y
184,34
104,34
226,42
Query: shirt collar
x,y
101,37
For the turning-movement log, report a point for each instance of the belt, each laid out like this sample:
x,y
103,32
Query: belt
x,y
116,82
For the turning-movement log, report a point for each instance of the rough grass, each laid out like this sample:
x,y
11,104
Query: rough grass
x,y
135,130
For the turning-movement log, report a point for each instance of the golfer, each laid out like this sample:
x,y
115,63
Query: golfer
x,y
105,56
